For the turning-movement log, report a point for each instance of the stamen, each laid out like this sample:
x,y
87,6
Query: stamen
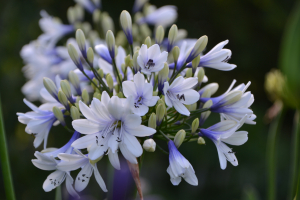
x,y
149,64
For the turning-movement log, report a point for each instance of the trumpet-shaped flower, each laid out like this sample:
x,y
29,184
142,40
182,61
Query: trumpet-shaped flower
x,y
226,132
110,125
141,92
180,167
180,92
39,123
151,59
72,162
164,16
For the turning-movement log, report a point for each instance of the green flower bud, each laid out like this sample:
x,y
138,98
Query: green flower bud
x,y
59,115
126,24
109,81
182,33
90,56
198,48
179,138
145,31
85,96
201,141
79,12
195,63
210,88
96,16
152,121
163,74
97,95
205,114
121,39
173,32
75,113
100,72
148,42
175,53
195,125
63,99
149,145
232,97
136,66
159,35
71,15
74,56
80,39
193,107
200,75
110,40
95,81
107,23
160,113
120,95
121,77
128,61
66,88
75,81
188,73
50,87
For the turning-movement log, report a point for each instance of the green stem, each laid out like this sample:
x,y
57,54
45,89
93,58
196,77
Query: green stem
x,y
58,193
8,184
178,72
295,157
164,135
91,81
161,149
131,49
117,74
271,161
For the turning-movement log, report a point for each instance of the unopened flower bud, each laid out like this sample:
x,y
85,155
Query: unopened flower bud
x,y
63,99
152,121
160,113
80,39
75,57
90,56
126,24
205,114
85,96
195,63
109,81
148,41
188,73
231,97
179,138
175,53
128,61
200,75
136,66
75,113
66,88
195,125
110,40
198,48
163,76
97,95
50,87
144,30
107,23
193,107
96,16
172,36
75,81
86,27
182,33
211,88
100,72
59,115
201,141
71,15
149,145
120,95
159,35
79,12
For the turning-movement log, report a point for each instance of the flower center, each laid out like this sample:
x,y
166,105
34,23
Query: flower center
x,y
139,102
150,64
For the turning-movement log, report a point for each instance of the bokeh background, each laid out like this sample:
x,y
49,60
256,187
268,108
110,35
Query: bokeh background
x,y
254,29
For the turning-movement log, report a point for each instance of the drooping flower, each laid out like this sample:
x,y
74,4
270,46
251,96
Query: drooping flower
x,y
71,162
217,58
109,125
164,16
57,177
151,60
226,132
39,123
141,92
179,93
180,167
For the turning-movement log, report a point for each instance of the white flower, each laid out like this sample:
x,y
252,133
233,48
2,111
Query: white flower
x,y
225,132
72,162
53,29
39,123
141,92
180,92
180,167
151,60
110,126
164,16
149,145
57,177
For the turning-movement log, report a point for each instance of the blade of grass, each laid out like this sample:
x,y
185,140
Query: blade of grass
x,y
8,184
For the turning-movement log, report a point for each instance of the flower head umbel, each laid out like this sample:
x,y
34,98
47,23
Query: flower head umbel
x,y
141,92
110,125
151,59
225,132
179,93
180,167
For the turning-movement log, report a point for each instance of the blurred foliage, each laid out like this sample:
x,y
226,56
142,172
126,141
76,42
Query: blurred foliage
x,y
254,28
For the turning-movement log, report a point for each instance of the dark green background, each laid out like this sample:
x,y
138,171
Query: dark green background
x,y
254,29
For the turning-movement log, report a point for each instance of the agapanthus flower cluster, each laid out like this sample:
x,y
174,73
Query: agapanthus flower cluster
x,y
124,92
